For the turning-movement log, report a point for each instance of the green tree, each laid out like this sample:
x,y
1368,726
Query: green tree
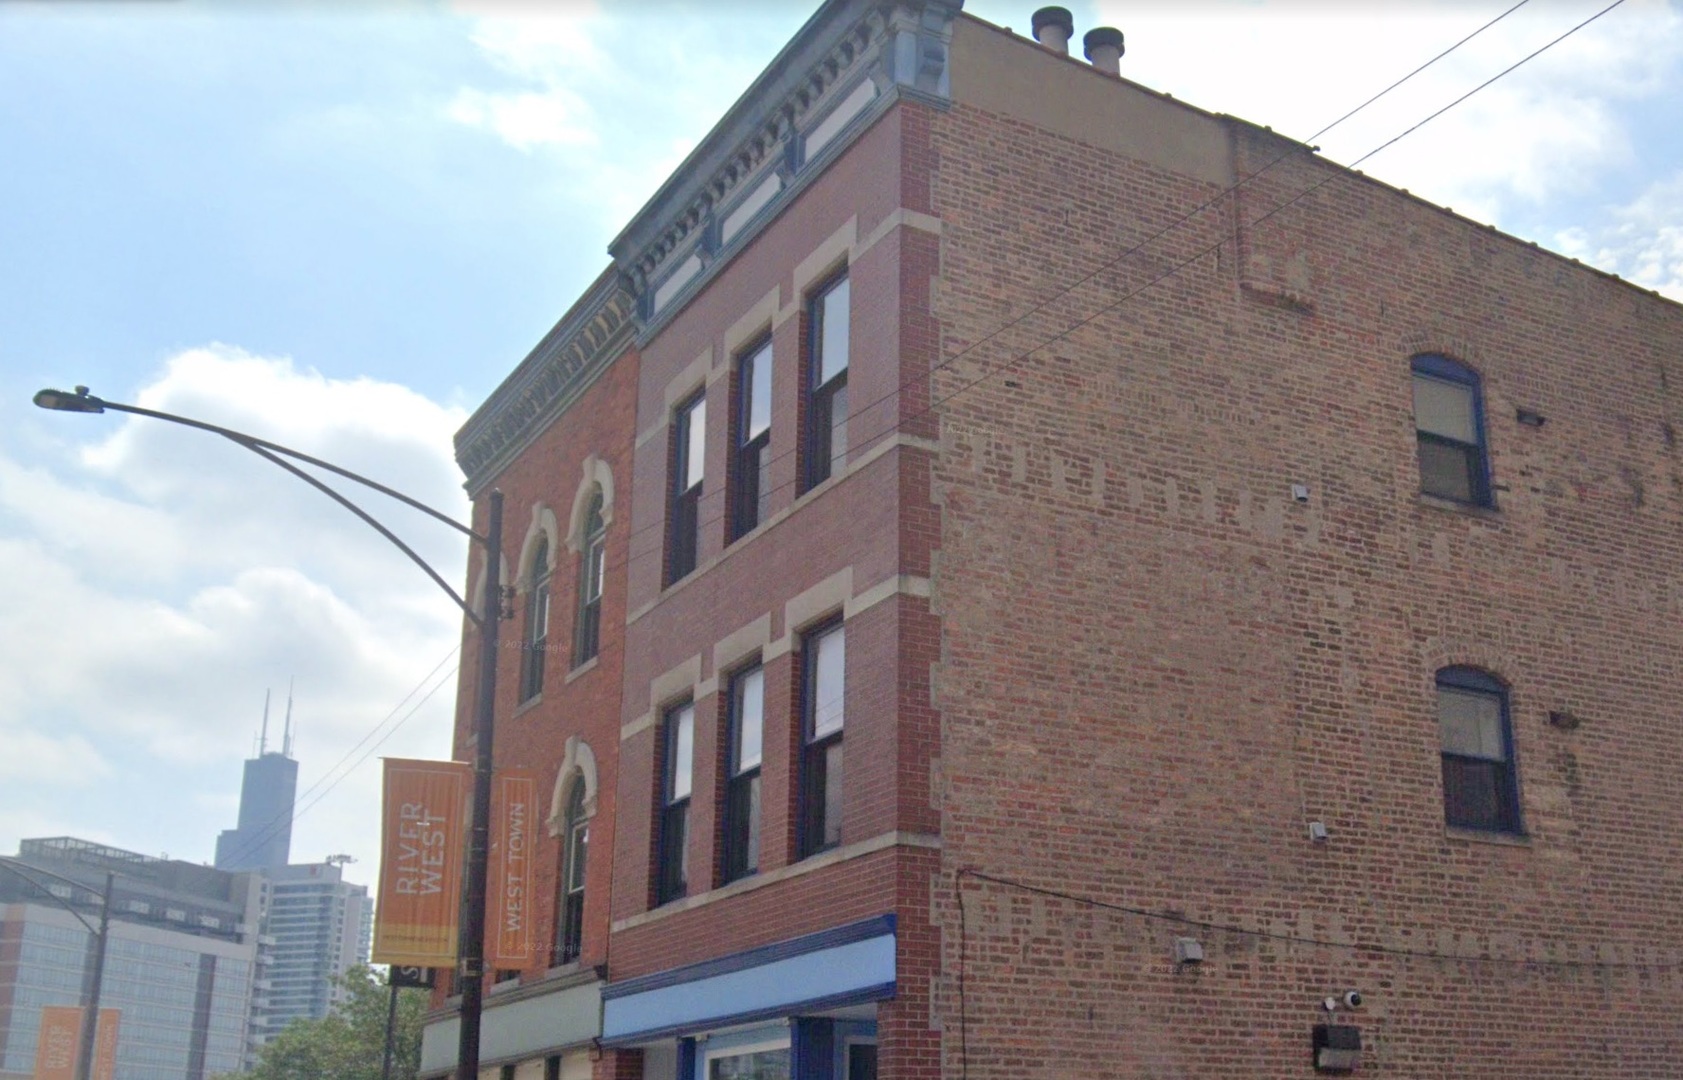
x,y
350,1042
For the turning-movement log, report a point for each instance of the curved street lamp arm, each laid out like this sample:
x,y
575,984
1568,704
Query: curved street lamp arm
x,y
258,447
84,402
17,867
251,441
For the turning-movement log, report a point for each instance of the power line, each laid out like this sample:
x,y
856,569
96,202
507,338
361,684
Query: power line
x,y
284,820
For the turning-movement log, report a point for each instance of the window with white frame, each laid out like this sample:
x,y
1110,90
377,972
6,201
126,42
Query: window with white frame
x,y
537,626
677,772
745,725
587,634
823,709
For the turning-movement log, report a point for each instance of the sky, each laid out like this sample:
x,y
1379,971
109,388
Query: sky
x,y
339,227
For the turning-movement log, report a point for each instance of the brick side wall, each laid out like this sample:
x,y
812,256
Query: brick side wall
x,y
1157,667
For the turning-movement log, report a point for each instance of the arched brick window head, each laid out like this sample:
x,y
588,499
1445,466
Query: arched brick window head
x,y
1449,431
1480,782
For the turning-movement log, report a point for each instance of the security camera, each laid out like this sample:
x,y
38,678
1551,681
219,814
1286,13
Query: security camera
x,y
1352,999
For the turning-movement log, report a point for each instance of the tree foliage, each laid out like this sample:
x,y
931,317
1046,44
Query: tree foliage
x,y
349,1043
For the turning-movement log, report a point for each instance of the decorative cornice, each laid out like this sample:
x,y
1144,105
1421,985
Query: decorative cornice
x,y
901,45
568,359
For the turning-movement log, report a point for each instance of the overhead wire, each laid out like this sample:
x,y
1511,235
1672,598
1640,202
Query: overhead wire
x,y
272,828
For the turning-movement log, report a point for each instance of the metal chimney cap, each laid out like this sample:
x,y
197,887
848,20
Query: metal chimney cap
x,y
1053,16
1099,37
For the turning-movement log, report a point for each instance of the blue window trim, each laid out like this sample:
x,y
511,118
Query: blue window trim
x,y
1461,677
1438,366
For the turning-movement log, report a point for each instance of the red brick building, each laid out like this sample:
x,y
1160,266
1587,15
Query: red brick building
x,y
1099,583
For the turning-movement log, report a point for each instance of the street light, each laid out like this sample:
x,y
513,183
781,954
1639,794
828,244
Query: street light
x,y
96,977
471,948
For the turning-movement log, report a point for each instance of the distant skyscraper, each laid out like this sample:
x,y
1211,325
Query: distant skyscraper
x,y
263,838
320,925
314,924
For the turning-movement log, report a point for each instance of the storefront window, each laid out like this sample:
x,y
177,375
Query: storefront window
x,y
753,1065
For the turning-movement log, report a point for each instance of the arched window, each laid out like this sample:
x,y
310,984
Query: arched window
x,y
1449,431
569,904
587,636
537,625
1480,783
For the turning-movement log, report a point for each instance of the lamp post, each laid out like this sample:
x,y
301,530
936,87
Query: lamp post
x,y
471,949
96,974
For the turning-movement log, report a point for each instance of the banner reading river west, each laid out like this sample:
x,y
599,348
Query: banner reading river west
x,y
508,903
60,1040
422,837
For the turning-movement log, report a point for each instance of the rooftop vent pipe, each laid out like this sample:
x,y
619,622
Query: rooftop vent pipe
x,y
1053,27
1103,46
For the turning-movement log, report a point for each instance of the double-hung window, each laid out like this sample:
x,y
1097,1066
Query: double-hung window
x,y
537,626
1449,431
824,670
689,456
1480,786
753,439
677,761
827,358
746,724
587,636
575,844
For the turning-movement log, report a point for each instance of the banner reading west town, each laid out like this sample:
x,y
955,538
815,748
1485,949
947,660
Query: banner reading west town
x,y
508,903
105,1044
60,1040
422,836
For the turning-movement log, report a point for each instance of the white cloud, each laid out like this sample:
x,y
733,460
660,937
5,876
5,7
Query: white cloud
x,y
159,579
554,57
1641,241
1546,131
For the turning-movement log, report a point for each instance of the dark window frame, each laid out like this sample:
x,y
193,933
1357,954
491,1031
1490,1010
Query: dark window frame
x,y
570,882
593,572
821,754
1460,771
536,636
750,456
1475,455
741,810
826,406
672,811
683,516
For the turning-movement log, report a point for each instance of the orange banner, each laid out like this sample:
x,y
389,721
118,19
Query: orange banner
x,y
105,1044
55,1047
508,900
422,837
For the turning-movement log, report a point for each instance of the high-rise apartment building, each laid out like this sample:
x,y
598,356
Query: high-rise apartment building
x,y
319,925
180,963
1018,576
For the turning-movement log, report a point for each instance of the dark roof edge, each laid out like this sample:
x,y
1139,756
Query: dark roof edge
x,y
785,72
